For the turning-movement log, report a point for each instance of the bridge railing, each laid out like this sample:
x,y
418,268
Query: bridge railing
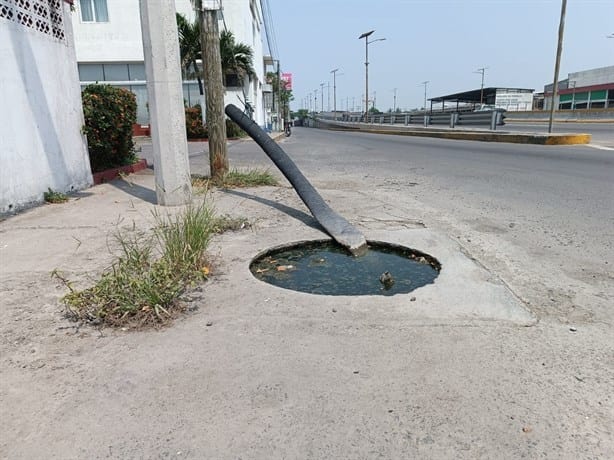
x,y
490,118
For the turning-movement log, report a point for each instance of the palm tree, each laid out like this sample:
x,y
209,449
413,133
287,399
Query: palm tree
x,y
189,49
237,58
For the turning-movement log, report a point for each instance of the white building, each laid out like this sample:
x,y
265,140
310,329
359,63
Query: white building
x,y
41,116
110,48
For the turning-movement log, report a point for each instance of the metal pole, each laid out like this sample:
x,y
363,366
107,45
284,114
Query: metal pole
x,y
366,37
394,101
366,79
482,88
334,72
481,70
425,83
322,95
425,119
559,50
280,125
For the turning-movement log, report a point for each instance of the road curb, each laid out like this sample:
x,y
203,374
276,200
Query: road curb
x,y
515,138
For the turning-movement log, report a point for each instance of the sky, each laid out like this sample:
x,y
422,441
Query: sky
x,y
442,41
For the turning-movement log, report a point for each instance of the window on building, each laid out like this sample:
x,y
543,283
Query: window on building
x,y
94,10
116,72
232,80
137,71
91,72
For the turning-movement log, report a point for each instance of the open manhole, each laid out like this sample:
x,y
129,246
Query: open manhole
x,y
324,267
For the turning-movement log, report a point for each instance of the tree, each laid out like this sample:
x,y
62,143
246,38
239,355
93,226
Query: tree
x,y
190,49
214,101
285,94
220,55
237,58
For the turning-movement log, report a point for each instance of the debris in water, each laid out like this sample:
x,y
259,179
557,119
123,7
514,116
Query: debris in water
x,y
284,268
386,279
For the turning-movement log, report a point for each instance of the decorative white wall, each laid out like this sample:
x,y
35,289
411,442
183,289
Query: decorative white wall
x,y
41,145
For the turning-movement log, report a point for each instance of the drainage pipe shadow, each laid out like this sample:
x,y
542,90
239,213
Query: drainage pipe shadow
x,y
297,214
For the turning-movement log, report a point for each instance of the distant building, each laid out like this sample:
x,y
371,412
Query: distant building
x,y
110,49
587,89
511,99
41,116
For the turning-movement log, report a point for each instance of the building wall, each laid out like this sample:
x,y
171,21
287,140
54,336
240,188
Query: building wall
x,y
119,39
41,145
587,89
118,43
592,77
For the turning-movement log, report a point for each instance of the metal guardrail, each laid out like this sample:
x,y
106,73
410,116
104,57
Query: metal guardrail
x,y
490,118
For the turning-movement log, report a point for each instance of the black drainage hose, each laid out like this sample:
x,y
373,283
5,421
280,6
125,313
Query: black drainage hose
x,y
340,229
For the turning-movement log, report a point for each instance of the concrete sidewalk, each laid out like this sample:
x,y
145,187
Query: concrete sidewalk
x,y
462,371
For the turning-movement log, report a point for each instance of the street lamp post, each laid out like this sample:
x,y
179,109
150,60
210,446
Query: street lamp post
x,y
322,95
481,70
394,100
367,42
315,101
334,72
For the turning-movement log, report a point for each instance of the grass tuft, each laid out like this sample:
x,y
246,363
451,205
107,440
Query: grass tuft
x,y
236,179
51,196
143,285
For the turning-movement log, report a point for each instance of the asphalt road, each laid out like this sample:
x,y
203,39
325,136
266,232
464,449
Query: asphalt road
x,y
541,217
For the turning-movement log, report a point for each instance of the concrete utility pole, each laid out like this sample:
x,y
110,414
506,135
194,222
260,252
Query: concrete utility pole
x,y
165,93
207,12
559,50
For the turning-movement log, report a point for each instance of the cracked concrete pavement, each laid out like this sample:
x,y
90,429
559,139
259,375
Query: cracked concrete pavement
x,y
471,369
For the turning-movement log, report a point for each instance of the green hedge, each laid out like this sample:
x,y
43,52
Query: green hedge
x,y
233,130
109,113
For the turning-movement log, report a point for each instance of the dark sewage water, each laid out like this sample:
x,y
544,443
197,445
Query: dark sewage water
x,y
324,267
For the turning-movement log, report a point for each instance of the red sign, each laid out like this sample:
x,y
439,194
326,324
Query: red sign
x,y
287,79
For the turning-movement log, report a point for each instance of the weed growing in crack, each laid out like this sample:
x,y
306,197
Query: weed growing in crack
x,y
146,280
51,196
